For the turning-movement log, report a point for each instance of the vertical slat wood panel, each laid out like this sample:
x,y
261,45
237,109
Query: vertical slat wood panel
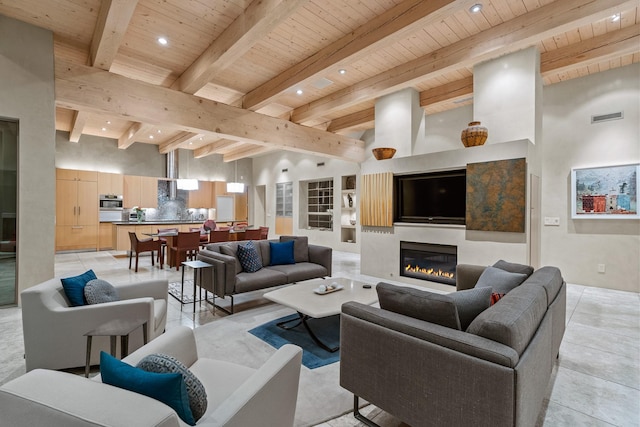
x,y
376,200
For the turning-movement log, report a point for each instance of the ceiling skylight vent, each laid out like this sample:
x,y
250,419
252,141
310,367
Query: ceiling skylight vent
x,y
322,83
606,117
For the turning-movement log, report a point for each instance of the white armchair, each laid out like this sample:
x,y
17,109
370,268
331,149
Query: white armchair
x,y
237,396
54,331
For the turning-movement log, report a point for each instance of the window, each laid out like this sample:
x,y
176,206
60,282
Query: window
x,y
320,204
284,199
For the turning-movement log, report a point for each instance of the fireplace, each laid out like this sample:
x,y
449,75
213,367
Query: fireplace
x,y
426,261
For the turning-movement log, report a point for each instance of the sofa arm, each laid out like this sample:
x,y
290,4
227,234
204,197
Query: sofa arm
x,y
156,289
224,271
43,397
321,255
467,275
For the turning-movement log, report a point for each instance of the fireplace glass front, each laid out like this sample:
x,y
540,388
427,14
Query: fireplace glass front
x,y
426,261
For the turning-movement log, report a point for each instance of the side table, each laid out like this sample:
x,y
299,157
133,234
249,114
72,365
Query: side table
x,y
197,266
113,329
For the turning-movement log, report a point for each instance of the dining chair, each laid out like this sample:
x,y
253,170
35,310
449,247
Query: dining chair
x,y
139,246
219,236
239,226
223,228
264,233
252,234
163,243
204,238
187,245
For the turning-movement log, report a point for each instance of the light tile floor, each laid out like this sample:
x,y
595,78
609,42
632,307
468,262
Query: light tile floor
x,y
596,381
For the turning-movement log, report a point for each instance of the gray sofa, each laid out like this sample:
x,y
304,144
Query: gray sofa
x,y
311,262
494,373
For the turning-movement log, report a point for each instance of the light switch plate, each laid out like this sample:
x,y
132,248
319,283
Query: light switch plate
x,y
551,220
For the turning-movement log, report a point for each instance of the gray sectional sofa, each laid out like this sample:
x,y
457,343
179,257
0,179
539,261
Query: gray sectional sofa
x,y
493,373
311,262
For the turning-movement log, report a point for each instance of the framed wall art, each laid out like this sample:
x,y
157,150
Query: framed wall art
x,y
609,192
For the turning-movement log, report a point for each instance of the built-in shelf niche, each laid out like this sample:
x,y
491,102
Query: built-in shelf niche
x,y
348,211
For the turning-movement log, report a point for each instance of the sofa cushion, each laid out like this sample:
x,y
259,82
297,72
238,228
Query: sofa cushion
x,y
281,253
98,291
232,250
300,247
513,267
264,250
470,303
249,257
162,364
263,278
169,389
514,320
549,278
499,280
301,271
419,304
74,287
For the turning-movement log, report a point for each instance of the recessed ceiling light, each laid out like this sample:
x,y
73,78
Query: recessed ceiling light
x,y
104,129
150,136
163,41
299,92
615,18
159,131
108,122
475,8
342,71
200,138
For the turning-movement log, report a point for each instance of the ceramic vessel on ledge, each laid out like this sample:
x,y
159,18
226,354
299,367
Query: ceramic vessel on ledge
x,y
383,153
474,135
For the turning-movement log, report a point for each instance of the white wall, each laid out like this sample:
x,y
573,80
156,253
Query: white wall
x,y
571,141
267,171
27,95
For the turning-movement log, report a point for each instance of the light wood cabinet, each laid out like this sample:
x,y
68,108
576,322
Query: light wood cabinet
x,y
141,191
110,183
202,197
106,236
241,201
76,209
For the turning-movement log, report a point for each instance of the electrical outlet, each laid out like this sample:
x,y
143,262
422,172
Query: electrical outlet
x,y
601,268
551,220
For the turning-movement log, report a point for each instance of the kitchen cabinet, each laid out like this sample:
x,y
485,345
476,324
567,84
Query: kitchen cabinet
x,y
141,191
202,197
110,183
106,236
76,209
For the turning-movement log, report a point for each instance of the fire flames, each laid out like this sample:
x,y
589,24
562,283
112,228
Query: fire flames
x,y
429,271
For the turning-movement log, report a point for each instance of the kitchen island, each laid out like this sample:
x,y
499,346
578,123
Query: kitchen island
x,y
121,230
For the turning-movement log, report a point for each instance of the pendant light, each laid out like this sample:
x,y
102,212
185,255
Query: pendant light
x,y
235,187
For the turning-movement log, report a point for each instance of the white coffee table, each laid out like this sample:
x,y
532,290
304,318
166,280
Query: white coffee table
x,y
302,298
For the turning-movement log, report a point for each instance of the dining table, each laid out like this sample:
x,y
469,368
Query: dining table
x,y
169,236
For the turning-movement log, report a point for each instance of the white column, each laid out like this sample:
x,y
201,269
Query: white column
x,y
507,96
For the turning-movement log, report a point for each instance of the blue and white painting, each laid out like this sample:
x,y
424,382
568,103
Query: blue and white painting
x,y
605,192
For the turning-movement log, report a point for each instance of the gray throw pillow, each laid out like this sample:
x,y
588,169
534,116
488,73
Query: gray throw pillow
x,y
499,280
470,303
232,251
419,304
513,267
98,291
300,247
163,364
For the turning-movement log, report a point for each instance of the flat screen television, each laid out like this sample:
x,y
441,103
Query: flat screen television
x,y
432,198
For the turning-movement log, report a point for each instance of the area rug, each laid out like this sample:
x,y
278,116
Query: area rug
x,y
186,297
320,397
313,356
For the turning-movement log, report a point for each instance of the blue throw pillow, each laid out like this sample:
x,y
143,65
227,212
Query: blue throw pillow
x,y
249,258
282,253
74,287
169,389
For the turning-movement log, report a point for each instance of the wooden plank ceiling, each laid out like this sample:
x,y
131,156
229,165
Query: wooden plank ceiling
x,y
241,78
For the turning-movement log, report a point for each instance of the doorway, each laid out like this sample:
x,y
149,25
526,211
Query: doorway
x,y
260,210
8,209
